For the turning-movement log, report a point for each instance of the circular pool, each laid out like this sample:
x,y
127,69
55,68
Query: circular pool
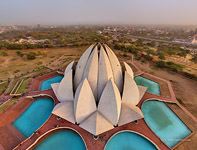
x,y
62,140
34,116
129,141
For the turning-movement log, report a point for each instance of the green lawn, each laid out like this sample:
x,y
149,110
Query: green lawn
x,y
10,102
23,86
3,87
12,86
25,82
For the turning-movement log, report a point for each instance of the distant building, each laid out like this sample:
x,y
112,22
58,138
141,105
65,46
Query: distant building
x,y
194,41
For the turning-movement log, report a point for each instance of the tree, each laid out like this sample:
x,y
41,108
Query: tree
x,y
148,57
161,55
31,55
139,42
152,44
182,54
19,53
161,64
150,51
194,59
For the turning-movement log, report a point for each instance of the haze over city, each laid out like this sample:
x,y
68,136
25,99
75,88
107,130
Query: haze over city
x,y
98,75
98,12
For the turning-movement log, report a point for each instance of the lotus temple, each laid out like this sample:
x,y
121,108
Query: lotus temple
x,y
96,103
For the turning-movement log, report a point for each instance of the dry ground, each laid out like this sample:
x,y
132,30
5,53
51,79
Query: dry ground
x,y
184,88
13,64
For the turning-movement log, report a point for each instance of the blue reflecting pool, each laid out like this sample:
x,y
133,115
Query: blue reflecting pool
x,y
34,116
47,83
62,140
129,141
164,122
152,87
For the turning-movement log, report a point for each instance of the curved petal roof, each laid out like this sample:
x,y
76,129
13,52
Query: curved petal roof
x,y
81,66
116,67
129,113
110,102
69,67
129,70
130,88
105,71
90,93
84,102
65,110
96,124
65,88
91,71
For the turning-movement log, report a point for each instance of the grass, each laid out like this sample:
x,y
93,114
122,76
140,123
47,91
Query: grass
x,y
3,87
9,103
12,86
40,72
23,86
14,65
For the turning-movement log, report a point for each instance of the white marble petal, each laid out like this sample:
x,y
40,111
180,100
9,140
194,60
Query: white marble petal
x,y
110,102
65,88
116,68
105,71
91,71
129,70
81,66
69,67
65,110
84,102
96,124
129,113
130,93
142,91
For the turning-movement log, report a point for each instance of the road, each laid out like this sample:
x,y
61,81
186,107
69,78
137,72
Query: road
x,y
161,41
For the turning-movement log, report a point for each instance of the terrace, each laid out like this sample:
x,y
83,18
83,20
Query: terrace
x,y
18,141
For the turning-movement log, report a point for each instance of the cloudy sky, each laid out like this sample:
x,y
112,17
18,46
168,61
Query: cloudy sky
x,y
98,11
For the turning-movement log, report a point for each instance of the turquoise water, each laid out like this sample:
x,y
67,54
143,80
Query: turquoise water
x,y
62,140
164,122
153,87
129,141
34,116
47,83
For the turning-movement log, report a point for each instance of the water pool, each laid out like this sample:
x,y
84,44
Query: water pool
x,y
129,141
62,140
34,116
164,122
47,83
152,87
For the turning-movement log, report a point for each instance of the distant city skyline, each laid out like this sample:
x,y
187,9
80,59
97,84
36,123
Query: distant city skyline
x,y
65,12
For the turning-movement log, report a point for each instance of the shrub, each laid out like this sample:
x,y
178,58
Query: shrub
x,y
4,53
31,55
191,76
161,64
174,67
124,55
147,57
19,53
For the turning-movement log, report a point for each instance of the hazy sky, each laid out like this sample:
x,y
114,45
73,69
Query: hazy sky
x,y
98,11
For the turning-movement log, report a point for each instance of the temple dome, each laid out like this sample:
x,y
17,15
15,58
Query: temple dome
x,y
96,86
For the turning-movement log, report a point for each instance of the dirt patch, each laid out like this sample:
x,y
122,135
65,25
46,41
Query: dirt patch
x,y
184,88
13,65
